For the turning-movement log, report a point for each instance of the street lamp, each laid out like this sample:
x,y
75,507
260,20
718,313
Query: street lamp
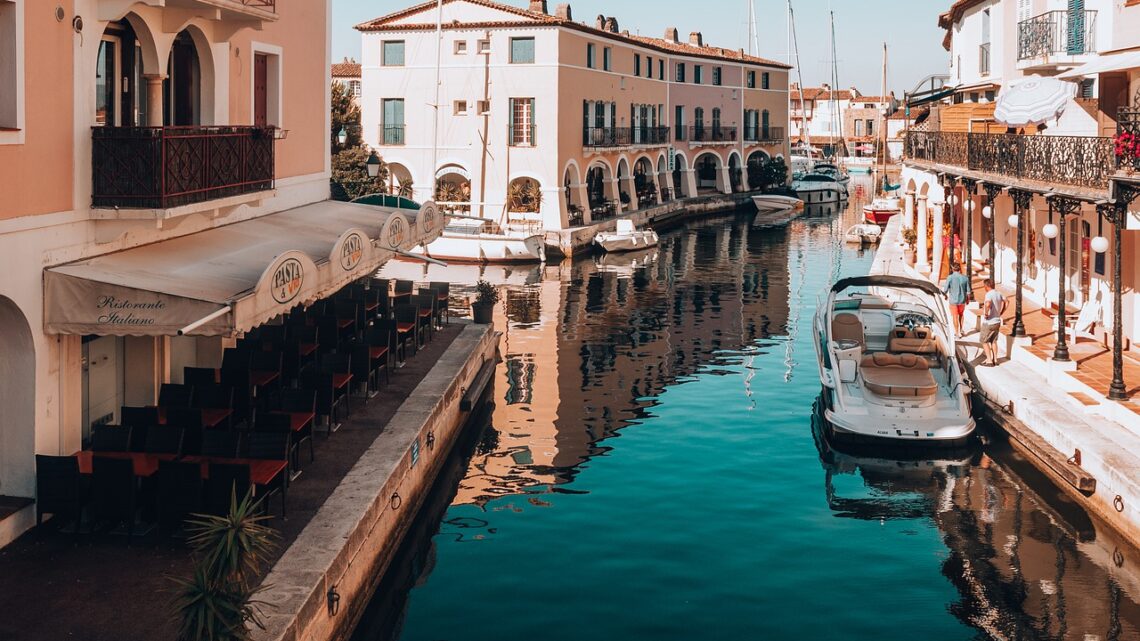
x,y
342,136
987,212
373,165
1012,220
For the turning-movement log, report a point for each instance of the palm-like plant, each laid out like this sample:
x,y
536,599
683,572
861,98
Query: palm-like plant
x,y
217,602
405,189
524,196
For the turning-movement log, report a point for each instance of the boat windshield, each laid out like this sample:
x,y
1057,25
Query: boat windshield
x,y
470,226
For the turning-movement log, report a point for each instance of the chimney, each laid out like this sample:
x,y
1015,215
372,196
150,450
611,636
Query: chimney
x,y
671,35
600,23
538,6
612,24
563,11
696,39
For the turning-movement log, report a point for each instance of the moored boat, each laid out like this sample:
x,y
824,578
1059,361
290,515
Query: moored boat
x,y
863,234
817,188
880,210
776,202
829,169
626,238
473,240
888,364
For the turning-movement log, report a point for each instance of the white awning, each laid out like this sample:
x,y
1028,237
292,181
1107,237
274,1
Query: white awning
x,y
258,268
1104,64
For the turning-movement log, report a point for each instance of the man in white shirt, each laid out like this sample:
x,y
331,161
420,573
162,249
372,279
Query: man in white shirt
x,y
993,306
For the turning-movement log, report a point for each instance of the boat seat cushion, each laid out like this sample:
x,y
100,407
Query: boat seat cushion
x,y
914,341
847,326
897,375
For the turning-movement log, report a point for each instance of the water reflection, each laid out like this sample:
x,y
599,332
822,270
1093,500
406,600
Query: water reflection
x,y
1027,562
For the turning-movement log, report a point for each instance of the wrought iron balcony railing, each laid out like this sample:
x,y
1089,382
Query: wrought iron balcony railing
x,y
392,134
261,4
624,136
165,167
1128,122
700,133
764,134
1077,161
1056,33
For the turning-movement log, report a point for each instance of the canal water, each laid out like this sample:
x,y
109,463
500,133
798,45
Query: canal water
x,y
651,469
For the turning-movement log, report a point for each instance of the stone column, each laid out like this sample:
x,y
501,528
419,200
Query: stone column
x,y
920,246
154,106
908,211
936,264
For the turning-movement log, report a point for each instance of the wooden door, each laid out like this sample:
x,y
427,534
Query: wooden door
x,y
260,90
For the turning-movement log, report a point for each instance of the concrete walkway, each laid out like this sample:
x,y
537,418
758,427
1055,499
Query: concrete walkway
x,y
1066,413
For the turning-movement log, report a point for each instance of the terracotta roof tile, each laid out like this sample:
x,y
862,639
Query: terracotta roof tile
x,y
706,51
346,69
382,21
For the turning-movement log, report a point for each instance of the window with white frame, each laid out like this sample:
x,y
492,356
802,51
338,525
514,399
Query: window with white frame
x,y
484,46
607,58
392,54
765,80
751,79
354,86
11,69
522,122
591,55
716,75
392,126
698,74
522,51
460,47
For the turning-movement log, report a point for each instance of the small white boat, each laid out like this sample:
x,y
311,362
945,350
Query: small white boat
x,y
880,210
626,238
473,240
863,234
776,202
888,364
816,188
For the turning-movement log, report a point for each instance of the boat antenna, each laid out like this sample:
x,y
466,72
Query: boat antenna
x,y
435,105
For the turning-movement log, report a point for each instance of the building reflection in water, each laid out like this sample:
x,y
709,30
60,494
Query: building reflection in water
x,y
1028,564
587,348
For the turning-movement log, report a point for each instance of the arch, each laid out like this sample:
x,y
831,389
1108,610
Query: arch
x,y
600,186
18,398
735,172
401,180
453,185
153,62
709,169
524,195
681,184
574,201
911,186
645,181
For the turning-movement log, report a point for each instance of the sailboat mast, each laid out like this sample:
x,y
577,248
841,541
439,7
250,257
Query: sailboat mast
x,y
794,48
883,122
435,105
838,143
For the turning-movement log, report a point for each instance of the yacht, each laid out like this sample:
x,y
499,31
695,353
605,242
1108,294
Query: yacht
x,y
626,238
888,364
814,188
478,240
880,210
829,169
776,202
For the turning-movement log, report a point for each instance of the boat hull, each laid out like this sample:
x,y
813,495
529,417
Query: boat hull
x,y
772,202
613,243
486,248
879,216
818,195
838,433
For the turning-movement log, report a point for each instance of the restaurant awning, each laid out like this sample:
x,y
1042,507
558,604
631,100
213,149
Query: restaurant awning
x,y
1104,64
245,273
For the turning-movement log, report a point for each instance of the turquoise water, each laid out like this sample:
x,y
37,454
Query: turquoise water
x,y
650,471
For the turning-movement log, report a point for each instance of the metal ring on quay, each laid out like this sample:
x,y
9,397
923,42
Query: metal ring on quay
x,y
1118,558
1118,503
396,501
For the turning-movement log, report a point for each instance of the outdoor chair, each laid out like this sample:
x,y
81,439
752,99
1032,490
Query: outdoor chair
x,y
111,438
238,381
214,397
179,493
225,482
397,342
443,297
380,343
60,490
165,440
218,443
234,358
199,376
404,287
301,401
271,446
175,395
138,416
365,369
113,492
327,398
407,323
429,300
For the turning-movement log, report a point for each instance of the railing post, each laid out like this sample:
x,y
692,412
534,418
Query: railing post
x,y
1021,202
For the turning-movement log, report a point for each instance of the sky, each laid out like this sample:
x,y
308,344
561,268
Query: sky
x,y
910,29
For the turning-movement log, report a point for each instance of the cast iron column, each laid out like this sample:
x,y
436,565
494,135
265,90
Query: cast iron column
x,y
1065,207
970,186
948,184
1021,202
991,194
1115,213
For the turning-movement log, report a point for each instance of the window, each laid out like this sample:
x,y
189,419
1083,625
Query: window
x,y
484,46
522,122
661,69
679,122
460,107
460,47
751,79
522,51
870,127
637,64
266,73
107,66
591,56
11,71
716,75
716,121
698,74
680,72
765,80
392,127
354,87
649,66
699,118
858,127
484,107
393,53
607,58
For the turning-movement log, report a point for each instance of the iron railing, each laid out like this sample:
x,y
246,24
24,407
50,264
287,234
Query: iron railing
x,y
1077,161
764,134
624,136
392,134
165,167
263,4
1128,122
700,133
984,58
1057,33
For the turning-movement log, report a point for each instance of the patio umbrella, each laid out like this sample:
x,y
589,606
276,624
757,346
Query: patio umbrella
x,y
1032,101
865,148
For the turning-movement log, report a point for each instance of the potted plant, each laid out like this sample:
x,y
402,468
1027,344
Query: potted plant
x,y
486,295
910,237
1127,148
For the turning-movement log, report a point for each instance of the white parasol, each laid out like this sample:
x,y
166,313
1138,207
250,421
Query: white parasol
x,y
1032,101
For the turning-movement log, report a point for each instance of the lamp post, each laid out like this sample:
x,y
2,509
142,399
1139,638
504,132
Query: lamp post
x,y
1065,207
1021,202
951,203
1115,213
373,165
342,136
970,186
988,212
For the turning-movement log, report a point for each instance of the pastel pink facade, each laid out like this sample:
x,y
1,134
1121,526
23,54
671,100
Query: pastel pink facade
x,y
90,92
588,112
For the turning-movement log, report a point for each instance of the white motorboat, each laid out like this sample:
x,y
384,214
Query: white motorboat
x,y
888,364
880,210
776,202
474,240
626,238
863,234
829,169
816,188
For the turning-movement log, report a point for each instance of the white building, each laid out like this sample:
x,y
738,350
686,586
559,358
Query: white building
x,y
347,73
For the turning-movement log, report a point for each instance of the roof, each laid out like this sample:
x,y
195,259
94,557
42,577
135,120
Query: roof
x,y
954,14
346,69
824,93
391,22
873,98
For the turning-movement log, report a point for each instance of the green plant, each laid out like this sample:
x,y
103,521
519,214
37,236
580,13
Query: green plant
x,y
216,603
524,196
406,189
486,293
350,174
910,237
345,115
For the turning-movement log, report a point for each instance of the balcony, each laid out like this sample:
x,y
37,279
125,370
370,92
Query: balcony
x,y
714,134
602,137
764,135
392,135
1079,166
174,167
1128,122
1056,38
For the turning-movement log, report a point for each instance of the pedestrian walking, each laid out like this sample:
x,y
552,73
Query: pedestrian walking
x,y
957,290
993,306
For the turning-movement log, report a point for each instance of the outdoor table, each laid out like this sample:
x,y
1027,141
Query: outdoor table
x,y
304,349
261,471
145,465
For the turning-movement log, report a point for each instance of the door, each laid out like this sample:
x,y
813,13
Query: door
x,y
1078,251
107,79
260,90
